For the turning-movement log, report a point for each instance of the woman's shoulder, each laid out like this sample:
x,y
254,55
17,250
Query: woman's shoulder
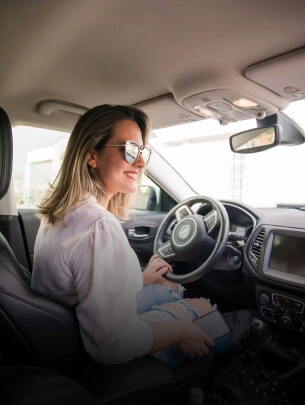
x,y
89,211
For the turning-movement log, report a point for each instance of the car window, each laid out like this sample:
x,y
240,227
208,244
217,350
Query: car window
x,y
148,195
37,157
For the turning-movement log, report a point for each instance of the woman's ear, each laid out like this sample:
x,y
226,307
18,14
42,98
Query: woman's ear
x,y
92,158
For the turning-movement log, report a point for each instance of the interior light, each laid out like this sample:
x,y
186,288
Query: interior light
x,y
206,112
201,111
244,103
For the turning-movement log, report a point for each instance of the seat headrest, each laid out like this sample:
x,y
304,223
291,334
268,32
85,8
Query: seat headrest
x,y
6,153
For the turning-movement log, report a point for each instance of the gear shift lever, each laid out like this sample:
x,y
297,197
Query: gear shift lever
x,y
247,380
257,333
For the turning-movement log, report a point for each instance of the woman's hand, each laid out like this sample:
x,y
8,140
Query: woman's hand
x,y
155,269
194,342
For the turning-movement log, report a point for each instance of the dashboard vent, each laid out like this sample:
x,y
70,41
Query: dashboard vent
x,y
257,244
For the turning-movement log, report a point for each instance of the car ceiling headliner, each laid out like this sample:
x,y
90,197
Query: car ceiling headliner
x,y
91,52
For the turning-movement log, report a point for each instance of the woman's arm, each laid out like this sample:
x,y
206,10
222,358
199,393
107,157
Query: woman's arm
x,y
106,285
189,338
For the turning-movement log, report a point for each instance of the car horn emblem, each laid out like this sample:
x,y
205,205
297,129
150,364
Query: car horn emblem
x,y
184,231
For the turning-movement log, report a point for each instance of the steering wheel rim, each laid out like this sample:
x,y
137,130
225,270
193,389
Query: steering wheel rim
x,y
191,233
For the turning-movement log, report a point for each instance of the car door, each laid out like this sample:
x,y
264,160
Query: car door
x,y
144,222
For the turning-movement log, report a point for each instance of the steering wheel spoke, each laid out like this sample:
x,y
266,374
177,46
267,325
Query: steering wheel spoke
x,y
211,220
166,251
183,211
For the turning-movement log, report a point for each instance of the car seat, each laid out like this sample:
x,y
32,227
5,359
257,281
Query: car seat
x,y
30,385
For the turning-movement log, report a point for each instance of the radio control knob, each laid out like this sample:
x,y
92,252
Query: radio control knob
x,y
264,298
287,321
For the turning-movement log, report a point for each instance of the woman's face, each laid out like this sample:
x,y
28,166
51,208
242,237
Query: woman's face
x,y
114,172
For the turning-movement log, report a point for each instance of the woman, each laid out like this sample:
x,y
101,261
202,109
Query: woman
x,y
83,257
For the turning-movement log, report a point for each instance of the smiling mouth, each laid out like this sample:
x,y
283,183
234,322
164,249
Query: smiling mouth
x,y
132,176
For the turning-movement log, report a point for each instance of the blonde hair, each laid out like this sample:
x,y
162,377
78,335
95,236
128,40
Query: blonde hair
x,y
76,177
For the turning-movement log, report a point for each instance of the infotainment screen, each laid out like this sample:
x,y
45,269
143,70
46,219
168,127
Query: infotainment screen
x,y
288,255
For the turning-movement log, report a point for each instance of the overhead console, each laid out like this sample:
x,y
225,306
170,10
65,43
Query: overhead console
x,y
227,105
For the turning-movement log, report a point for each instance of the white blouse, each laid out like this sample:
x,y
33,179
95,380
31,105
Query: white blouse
x,y
87,261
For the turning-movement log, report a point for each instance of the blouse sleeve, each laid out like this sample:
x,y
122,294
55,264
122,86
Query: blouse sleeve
x,y
106,282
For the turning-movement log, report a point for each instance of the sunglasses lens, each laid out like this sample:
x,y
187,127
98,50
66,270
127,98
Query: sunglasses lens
x,y
131,152
146,155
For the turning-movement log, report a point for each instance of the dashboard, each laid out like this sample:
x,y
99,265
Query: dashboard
x,y
272,246
278,254
266,250
242,223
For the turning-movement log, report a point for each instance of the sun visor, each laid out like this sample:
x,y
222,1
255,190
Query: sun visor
x,y
284,75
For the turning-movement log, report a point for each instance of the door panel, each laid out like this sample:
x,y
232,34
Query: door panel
x,y
141,231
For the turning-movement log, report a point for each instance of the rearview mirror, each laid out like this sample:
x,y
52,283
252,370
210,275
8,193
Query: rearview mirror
x,y
256,140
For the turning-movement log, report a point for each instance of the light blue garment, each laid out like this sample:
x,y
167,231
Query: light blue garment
x,y
151,296
148,301
155,294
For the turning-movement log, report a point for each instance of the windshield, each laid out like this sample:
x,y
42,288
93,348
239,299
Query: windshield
x,y
201,153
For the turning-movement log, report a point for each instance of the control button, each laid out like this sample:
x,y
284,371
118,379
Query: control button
x,y
166,250
287,302
210,222
264,298
270,341
270,314
286,321
276,300
234,259
293,352
299,306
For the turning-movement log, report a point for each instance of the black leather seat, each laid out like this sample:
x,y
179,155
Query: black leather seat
x,y
38,330
28,385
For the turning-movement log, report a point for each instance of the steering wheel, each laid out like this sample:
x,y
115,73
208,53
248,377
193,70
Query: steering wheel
x,y
193,237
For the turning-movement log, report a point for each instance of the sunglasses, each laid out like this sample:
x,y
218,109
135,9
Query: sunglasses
x,y
133,151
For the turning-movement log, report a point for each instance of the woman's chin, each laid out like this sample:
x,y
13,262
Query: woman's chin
x,y
130,190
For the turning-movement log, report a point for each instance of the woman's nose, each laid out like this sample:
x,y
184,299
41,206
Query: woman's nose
x,y
140,161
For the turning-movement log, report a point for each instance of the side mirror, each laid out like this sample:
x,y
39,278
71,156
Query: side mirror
x,y
256,140
146,198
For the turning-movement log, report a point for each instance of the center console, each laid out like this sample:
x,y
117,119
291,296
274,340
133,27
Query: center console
x,y
277,256
281,309
249,379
